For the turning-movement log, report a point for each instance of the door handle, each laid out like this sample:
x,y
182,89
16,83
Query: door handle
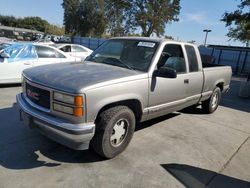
x,y
186,81
27,63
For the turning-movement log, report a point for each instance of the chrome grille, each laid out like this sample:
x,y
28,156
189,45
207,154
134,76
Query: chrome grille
x,y
38,96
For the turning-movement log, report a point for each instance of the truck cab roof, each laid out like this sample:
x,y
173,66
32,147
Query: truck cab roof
x,y
152,39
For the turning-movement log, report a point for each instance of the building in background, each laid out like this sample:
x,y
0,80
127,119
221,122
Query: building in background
x,y
19,33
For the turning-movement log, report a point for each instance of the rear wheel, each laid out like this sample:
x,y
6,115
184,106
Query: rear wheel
x,y
210,105
114,131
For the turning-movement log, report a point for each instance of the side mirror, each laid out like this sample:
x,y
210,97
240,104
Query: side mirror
x,y
5,55
165,72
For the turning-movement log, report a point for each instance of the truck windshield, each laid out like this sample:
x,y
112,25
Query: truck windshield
x,y
130,54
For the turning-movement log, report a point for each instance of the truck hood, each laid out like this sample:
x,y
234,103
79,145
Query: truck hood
x,y
75,77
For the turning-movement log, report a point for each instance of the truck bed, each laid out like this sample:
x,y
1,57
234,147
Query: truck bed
x,y
208,65
215,75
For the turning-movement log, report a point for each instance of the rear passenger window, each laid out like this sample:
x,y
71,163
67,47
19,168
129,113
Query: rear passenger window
x,y
172,57
47,52
192,59
66,48
78,49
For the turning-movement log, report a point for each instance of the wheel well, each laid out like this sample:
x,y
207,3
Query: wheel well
x,y
220,85
133,104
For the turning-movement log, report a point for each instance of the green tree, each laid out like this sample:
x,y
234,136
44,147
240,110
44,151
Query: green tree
x,y
91,18
116,13
84,17
35,23
8,21
71,20
55,30
119,17
238,22
152,16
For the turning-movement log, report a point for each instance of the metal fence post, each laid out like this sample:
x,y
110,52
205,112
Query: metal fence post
x,y
244,62
212,52
237,64
219,56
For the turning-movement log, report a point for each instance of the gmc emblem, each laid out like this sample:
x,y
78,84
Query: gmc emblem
x,y
32,94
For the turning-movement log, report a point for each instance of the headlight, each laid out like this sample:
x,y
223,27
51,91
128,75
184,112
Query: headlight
x,y
75,111
62,108
64,98
73,104
74,100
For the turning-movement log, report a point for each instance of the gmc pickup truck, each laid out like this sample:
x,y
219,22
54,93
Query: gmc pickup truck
x,y
125,81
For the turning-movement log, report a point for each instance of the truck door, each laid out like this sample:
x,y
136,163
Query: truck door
x,y
195,76
169,94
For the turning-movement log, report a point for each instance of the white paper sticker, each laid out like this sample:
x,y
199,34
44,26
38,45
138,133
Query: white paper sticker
x,y
146,44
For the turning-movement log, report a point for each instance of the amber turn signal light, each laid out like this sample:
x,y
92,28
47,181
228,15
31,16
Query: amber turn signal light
x,y
78,111
78,100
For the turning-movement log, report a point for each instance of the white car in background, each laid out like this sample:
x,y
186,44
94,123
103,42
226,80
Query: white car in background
x,y
17,57
74,50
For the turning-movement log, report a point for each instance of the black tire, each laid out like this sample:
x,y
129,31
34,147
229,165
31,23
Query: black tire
x,y
210,105
106,123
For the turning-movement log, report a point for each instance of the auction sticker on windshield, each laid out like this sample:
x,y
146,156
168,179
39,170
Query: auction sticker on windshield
x,y
146,44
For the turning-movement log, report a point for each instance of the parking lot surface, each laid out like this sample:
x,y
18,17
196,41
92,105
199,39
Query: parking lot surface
x,y
182,149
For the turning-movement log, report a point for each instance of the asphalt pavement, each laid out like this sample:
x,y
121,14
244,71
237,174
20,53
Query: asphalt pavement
x,y
182,149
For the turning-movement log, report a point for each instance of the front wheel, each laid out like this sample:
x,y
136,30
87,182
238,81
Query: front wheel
x,y
114,130
210,105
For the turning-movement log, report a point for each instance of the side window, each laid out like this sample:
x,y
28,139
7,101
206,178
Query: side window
x,y
172,57
46,52
66,48
192,59
78,49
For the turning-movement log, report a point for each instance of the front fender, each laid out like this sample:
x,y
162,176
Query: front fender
x,y
96,99
111,100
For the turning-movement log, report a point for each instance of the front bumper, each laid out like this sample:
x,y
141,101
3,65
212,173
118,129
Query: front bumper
x,y
75,136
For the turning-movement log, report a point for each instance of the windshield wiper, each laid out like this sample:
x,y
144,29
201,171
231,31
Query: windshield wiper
x,y
111,59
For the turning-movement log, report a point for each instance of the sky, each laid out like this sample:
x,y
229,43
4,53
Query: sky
x,y
195,16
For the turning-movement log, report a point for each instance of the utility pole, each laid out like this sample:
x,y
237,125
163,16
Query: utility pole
x,y
206,31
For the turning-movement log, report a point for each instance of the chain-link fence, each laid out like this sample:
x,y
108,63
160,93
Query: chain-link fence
x,y
236,57
91,43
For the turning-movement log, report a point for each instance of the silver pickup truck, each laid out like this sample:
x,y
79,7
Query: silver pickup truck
x,y
125,81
